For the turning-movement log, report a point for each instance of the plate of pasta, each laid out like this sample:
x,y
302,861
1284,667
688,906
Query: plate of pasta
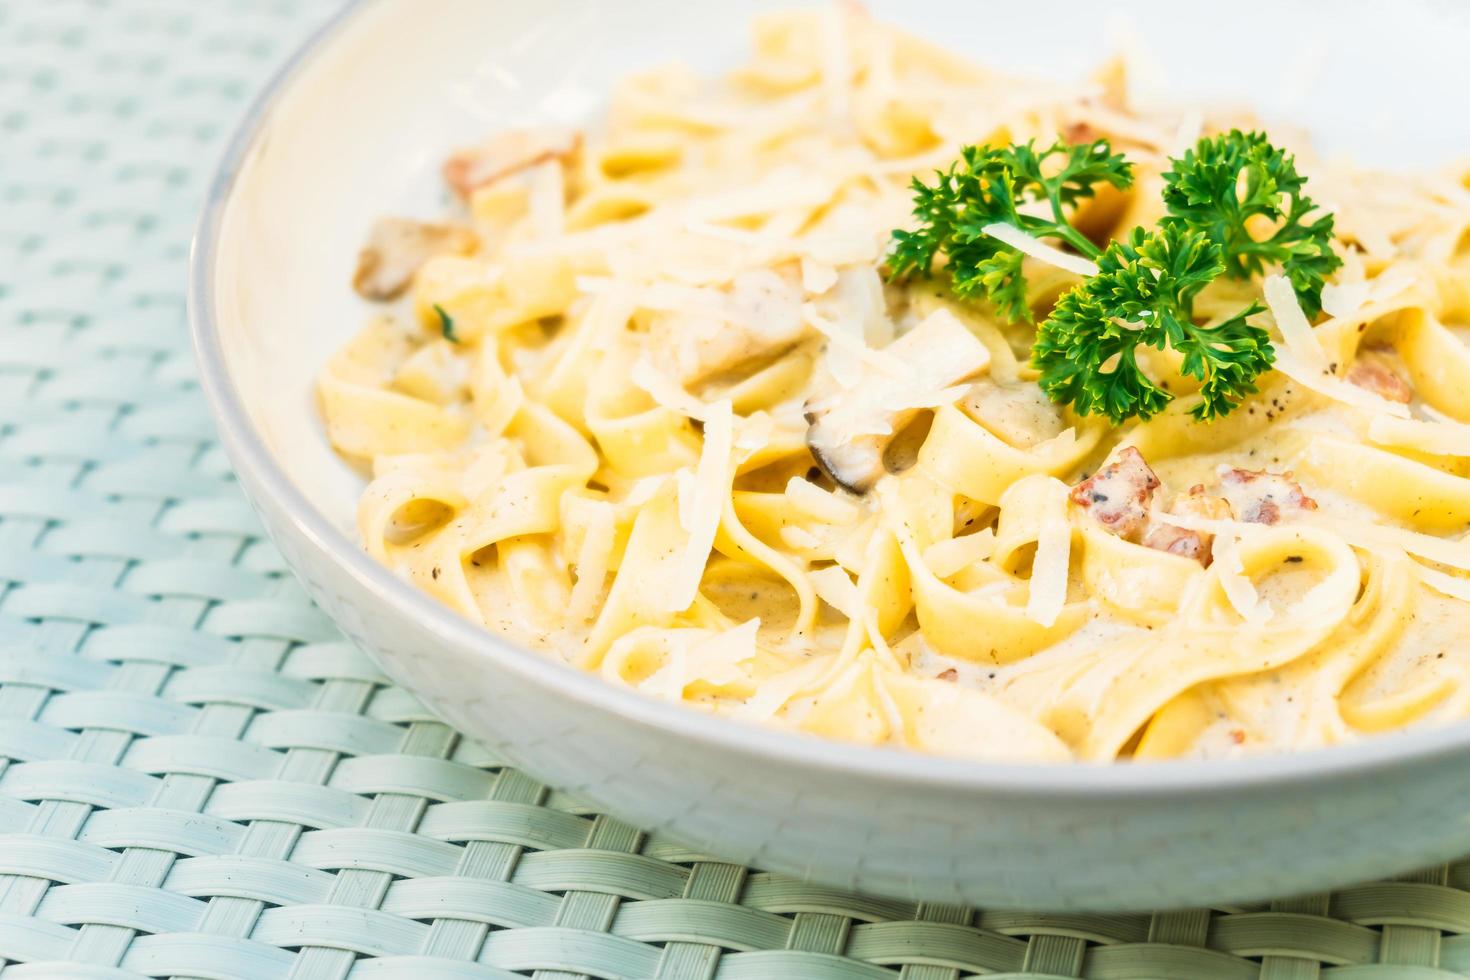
x,y
951,471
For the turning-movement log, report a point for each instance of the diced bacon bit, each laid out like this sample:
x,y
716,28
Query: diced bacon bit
x,y
1184,542
397,247
506,153
1179,541
1258,497
947,674
1118,495
1376,369
1078,132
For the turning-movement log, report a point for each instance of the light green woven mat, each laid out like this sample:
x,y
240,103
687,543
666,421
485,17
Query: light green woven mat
x,y
198,777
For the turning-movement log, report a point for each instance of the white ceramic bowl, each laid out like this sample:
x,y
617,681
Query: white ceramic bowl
x,y
354,126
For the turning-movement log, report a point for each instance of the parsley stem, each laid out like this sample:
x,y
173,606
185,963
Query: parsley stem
x,y
1063,229
1077,240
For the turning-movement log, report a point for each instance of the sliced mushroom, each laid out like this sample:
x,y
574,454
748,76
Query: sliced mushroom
x,y
1118,495
506,153
1258,497
1017,412
758,318
397,247
849,428
1379,370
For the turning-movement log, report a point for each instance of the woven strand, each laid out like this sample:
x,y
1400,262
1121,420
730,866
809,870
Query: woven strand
x,y
199,777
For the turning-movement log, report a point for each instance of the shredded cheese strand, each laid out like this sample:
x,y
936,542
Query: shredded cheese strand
x,y
1039,250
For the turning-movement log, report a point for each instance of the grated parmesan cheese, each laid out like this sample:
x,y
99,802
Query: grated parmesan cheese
x,y
780,190
799,538
706,494
946,557
818,503
837,590
1435,438
667,392
1049,570
548,208
594,560
1323,382
1296,332
1344,299
1374,537
1039,250
1237,586
714,657
817,277
1302,359
644,489
773,694
846,351
1453,586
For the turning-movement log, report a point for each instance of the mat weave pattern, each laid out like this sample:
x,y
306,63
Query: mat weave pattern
x,y
200,778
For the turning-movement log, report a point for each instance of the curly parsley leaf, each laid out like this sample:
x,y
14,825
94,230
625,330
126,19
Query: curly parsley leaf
x,y
1143,294
1016,185
446,325
1233,187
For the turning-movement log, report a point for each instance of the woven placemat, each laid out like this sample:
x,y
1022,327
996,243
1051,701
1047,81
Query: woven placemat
x,y
199,777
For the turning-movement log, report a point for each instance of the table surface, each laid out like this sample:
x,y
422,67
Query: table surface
x,y
200,777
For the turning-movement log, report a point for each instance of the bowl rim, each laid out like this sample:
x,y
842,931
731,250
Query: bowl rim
x,y
781,747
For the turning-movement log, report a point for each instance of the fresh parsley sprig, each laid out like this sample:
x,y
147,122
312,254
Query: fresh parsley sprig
x,y
446,325
1235,205
1017,185
1236,185
1143,295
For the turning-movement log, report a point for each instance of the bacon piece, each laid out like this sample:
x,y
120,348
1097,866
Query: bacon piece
x,y
1377,370
1179,541
397,247
1258,497
1080,131
506,153
1118,495
1188,542
948,674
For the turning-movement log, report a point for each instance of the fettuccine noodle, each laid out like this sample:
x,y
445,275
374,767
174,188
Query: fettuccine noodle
x,y
652,409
